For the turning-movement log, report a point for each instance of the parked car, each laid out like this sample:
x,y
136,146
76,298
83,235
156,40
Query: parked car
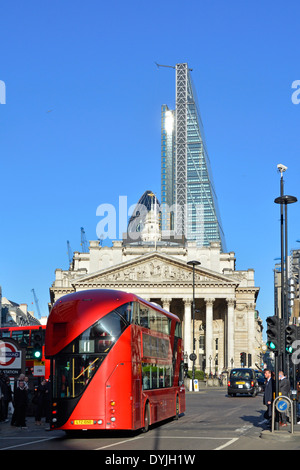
x,y
242,381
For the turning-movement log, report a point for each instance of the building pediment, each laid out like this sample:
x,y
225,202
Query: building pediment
x,y
153,269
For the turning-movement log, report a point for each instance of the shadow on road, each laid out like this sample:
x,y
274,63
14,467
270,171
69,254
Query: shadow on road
x,y
257,421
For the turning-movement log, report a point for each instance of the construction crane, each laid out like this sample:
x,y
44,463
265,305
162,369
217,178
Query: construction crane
x,y
70,252
36,303
168,66
84,243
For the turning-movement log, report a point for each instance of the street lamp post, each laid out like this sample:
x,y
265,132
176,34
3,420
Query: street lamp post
x,y
193,355
283,200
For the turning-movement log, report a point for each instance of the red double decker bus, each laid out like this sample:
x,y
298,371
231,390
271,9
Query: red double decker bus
x,y
116,362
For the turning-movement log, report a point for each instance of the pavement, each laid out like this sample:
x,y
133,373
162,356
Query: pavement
x,y
283,433
6,429
280,435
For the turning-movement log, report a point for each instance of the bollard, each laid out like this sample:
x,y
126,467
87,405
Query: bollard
x,y
281,403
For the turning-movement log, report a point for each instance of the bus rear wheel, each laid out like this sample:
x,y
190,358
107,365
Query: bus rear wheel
x,y
146,418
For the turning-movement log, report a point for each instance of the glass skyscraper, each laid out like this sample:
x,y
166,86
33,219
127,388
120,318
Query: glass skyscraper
x,y
188,199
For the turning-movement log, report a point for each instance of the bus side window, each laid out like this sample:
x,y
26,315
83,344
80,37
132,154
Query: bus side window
x,y
178,332
181,373
146,378
136,313
144,321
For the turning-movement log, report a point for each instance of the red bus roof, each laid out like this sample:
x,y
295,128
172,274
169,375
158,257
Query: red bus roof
x,y
74,313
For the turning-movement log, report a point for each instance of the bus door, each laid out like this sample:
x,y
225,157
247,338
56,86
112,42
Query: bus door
x,y
118,397
136,403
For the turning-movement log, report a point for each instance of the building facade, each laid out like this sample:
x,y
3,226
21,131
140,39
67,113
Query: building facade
x,y
226,322
292,294
13,314
188,197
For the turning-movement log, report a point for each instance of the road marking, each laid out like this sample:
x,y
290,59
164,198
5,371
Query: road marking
x,y
231,441
244,428
117,443
195,437
27,443
227,444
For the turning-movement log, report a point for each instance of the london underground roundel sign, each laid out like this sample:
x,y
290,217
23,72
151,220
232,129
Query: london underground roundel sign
x,y
10,355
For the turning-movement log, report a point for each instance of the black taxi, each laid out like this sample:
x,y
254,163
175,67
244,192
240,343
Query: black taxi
x,y
242,381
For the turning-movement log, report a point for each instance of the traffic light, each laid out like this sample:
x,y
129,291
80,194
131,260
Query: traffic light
x,y
38,341
291,335
243,358
275,333
249,360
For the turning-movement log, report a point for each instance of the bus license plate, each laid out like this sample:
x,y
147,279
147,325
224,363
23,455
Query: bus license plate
x,y
83,422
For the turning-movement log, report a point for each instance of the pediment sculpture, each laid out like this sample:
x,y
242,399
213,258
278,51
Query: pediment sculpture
x,y
152,270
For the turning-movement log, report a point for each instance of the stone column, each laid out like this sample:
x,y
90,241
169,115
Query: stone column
x,y
166,301
230,332
188,328
209,335
251,331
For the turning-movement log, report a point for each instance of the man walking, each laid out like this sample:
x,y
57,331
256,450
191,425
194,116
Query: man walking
x,y
268,395
284,390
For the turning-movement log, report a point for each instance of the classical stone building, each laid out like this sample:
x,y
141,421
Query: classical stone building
x,y
226,320
14,314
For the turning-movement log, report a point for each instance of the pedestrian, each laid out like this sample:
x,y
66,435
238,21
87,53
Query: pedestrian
x,y
268,395
16,384
20,404
48,403
42,402
298,395
284,390
7,398
284,384
4,396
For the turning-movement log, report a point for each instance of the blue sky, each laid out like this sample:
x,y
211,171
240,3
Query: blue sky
x,y
81,123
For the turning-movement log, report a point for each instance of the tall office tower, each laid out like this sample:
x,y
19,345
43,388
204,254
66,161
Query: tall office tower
x,y
188,198
167,167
